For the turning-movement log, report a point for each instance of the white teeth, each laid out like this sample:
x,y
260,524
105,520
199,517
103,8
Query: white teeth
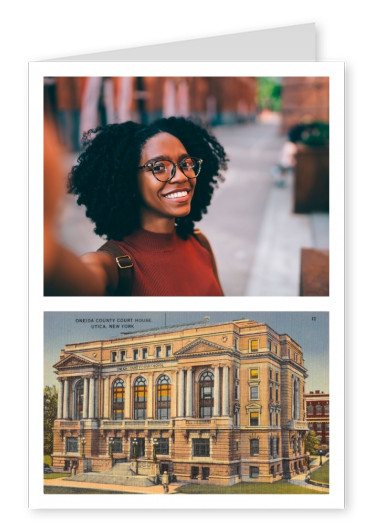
x,y
177,194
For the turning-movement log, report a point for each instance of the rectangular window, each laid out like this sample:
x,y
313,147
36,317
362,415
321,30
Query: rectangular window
x,y
205,472
254,394
253,471
122,355
254,345
237,373
162,446
144,353
270,374
201,447
276,395
254,419
236,391
276,377
135,353
113,356
194,472
158,352
168,351
276,349
255,446
254,374
117,445
269,345
271,392
71,444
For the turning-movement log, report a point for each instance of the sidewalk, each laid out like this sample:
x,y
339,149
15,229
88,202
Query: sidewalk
x,y
64,482
300,478
276,266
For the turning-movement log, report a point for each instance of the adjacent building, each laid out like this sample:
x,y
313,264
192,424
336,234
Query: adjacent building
x,y
217,403
317,414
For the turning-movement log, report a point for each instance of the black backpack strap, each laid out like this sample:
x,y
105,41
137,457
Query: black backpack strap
x,y
125,268
204,242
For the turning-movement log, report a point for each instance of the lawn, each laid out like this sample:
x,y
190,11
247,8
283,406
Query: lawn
x,y
321,474
280,487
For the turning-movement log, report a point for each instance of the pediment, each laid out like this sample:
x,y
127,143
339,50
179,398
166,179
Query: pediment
x,y
73,361
201,346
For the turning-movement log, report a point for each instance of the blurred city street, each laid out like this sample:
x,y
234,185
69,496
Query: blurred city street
x,y
254,233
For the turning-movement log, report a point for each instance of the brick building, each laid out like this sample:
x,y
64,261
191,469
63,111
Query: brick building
x,y
317,415
304,100
217,403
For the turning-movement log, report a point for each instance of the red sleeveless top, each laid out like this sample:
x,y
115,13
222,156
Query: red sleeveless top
x,y
166,265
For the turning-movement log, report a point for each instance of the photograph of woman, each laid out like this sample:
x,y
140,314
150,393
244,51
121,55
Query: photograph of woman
x,y
144,186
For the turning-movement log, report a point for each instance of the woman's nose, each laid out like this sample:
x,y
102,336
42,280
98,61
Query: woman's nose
x,y
178,175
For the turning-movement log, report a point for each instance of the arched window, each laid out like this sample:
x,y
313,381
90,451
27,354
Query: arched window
x,y
163,397
79,399
118,399
206,400
140,392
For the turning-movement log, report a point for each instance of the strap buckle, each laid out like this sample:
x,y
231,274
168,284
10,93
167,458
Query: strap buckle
x,y
128,258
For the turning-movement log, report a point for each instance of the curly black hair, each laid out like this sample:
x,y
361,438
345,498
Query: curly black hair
x,y
105,176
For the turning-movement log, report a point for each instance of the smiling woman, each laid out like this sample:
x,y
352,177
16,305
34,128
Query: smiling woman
x,y
144,187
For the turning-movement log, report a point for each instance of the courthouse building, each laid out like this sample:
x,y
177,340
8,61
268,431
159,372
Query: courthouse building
x,y
217,403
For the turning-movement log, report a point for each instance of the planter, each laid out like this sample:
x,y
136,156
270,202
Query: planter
x,y
311,188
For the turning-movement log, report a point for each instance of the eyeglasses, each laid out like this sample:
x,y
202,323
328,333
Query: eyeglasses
x,y
165,170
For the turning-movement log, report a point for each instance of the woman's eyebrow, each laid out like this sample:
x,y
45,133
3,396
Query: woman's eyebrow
x,y
166,157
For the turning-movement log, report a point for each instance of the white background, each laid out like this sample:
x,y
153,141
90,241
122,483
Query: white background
x,y
40,30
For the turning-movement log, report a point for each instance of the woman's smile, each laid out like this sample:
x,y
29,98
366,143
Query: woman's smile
x,y
163,201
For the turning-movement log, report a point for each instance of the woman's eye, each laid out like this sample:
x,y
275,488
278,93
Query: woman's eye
x,y
188,164
159,167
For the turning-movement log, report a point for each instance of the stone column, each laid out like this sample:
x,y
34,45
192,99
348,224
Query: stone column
x,y
174,395
181,394
216,392
225,392
60,399
91,398
106,398
85,412
66,400
127,405
188,407
150,397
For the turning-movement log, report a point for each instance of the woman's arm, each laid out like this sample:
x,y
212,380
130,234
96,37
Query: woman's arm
x,y
68,274
64,272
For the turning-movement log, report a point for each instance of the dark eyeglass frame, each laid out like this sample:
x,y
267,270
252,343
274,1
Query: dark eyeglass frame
x,y
150,166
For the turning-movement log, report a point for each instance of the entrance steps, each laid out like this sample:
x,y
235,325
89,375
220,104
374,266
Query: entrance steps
x,y
119,474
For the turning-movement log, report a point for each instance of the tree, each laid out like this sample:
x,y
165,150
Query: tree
x,y
50,414
312,443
